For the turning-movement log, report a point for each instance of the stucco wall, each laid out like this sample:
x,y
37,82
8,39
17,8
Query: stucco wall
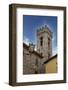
x,y
51,66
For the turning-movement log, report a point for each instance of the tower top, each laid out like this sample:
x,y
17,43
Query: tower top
x,y
44,29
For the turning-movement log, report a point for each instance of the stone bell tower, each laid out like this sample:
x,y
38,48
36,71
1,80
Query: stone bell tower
x,y
44,42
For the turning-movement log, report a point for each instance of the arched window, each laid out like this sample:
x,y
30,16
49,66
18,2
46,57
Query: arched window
x,y
49,43
41,41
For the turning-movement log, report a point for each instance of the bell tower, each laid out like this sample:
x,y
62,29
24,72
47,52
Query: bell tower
x,y
44,42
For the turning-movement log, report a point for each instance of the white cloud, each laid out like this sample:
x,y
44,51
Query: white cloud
x,y
54,52
26,40
54,48
53,39
35,48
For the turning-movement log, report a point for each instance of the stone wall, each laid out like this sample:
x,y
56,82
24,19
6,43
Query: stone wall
x,y
31,62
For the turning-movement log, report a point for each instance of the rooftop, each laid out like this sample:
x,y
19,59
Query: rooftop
x,y
44,29
50,59
35,52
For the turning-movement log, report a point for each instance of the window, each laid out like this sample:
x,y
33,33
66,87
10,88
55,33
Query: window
x,y
48,42
41,41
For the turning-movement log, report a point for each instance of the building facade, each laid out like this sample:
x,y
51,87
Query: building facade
x,y
33,61
44,42
51,65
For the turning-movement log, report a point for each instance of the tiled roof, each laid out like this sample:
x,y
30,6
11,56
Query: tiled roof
x,y
50,59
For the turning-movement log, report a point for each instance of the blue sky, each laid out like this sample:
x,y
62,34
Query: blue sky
x,y
32,23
